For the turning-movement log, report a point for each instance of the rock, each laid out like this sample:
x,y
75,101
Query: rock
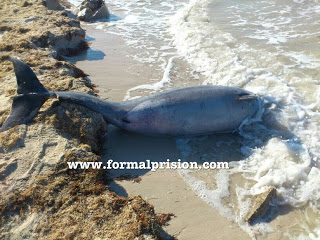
x,y
84,13
53,4
101,13
260,205
91,10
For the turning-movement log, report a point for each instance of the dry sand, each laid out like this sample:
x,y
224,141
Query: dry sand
x,y
114,73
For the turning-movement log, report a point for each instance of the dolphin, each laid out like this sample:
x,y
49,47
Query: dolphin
x,y
188,111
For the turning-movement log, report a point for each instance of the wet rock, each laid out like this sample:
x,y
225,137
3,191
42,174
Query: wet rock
x,y
91,10
84,13
260,205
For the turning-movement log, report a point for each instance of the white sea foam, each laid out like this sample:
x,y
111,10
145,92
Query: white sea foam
x,y
75,2
154,86
264,56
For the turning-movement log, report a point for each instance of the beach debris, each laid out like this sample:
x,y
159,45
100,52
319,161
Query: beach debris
x,y
91,10
61,203
65,43
260,205
53,31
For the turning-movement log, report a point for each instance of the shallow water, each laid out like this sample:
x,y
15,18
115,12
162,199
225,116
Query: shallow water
x,y
268,47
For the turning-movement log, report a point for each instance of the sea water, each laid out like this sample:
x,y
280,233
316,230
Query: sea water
x,y
271,48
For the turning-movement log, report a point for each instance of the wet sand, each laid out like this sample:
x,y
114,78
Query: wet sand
x,y
114,73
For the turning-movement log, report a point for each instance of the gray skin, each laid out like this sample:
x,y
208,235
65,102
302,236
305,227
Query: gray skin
x,y
189,111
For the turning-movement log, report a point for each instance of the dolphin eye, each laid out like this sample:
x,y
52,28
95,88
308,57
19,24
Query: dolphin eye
x,y
125,120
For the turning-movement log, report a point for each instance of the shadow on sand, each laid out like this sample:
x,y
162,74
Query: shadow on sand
x,y
92,54
89,55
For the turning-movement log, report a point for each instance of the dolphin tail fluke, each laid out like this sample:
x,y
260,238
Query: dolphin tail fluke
x,y
32,95
27,80
24,109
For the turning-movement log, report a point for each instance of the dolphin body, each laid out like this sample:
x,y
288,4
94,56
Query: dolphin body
x,y
189,111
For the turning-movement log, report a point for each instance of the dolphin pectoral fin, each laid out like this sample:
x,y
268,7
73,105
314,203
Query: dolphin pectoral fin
x,y
24,109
